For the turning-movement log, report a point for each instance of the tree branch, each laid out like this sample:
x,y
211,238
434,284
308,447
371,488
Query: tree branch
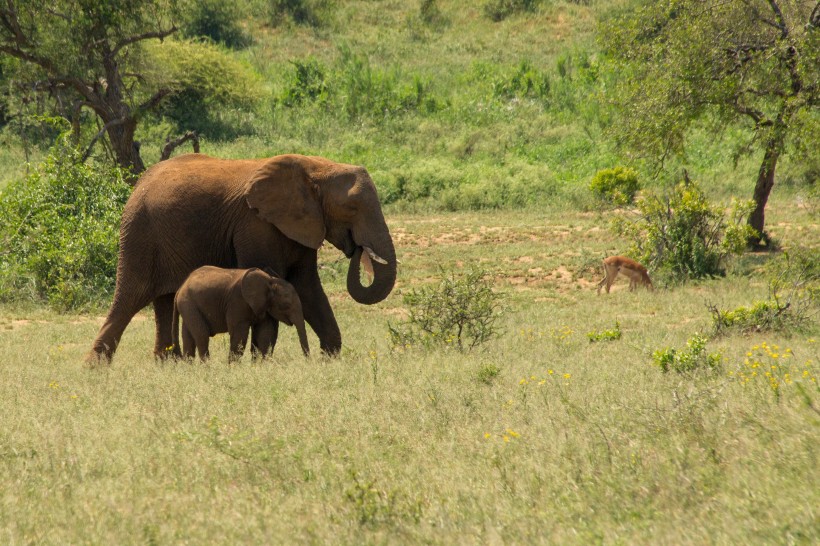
x,y
106,127
154,100
160,34
171,145
780,21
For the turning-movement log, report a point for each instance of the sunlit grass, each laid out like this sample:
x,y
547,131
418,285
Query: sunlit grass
x,y
537,436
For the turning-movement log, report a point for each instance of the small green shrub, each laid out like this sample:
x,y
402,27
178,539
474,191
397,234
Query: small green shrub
x,y
694,357
459,312
488,372
214,19
59,230
358,90
606,335
794,298
308,82
684,235
430,13
617,185
498,10
313,13
526,81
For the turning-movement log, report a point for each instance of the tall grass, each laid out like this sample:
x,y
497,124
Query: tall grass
x,y
541,436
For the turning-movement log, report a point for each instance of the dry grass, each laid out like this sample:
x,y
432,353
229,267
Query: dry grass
x,y
542,437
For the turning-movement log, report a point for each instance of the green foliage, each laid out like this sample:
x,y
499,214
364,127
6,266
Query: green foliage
x,y
730,64
761,316
794,298
694,357
313,13
357,90
606,335
306,83
215,19
430,13
682,60
617,185
498,10
207,86
685,235
525,82
488,373
59,229
460,312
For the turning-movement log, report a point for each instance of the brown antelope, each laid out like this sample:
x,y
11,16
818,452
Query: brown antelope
x,y
625,266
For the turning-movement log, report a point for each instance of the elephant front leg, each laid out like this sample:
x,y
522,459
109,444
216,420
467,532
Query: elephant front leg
x,y
163,315
320,317
263,337
239,339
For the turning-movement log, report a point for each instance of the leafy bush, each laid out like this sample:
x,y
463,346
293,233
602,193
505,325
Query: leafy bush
x,y
461,312
694,357
761,316
207,85
606,335
794,298
684,235
313,13
498,10
214,19
526,81
59,230
488,373
617,186
357,89
308,82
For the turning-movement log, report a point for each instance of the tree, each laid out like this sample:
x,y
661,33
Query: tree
x,y
750,62
80,52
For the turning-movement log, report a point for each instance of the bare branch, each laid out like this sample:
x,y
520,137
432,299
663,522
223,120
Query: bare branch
x,y
154,100
780,20
171,145
160,34
106,127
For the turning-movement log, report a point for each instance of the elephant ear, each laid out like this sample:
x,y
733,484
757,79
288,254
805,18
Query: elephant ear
x,y
284,195
255,289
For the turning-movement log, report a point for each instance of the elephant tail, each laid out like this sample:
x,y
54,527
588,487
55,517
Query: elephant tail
x,y
175,329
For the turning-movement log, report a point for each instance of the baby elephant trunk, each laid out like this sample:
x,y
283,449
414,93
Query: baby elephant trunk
x,y
299,323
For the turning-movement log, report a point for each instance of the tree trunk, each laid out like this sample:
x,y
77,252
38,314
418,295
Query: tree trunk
x,y
763,187
126,149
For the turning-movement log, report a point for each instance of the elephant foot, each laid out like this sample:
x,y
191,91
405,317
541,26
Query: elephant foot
x,y
98,357
168,353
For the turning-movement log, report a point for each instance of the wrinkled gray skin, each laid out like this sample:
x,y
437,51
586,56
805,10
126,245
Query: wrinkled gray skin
x,y
194,210
213,300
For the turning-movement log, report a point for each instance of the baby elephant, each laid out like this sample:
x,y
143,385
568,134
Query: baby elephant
x,y
635,272
213,300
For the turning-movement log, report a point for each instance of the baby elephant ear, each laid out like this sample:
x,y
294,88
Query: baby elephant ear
x,y
284,195
255,288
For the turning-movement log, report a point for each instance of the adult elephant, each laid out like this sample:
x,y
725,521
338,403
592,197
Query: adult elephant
x,y
196,210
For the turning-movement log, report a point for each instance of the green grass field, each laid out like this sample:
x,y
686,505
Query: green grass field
x,y
540,436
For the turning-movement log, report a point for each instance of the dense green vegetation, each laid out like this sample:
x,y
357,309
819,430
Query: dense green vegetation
x,y
450,107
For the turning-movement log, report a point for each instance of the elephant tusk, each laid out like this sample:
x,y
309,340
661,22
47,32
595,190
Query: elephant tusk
x,y
373,256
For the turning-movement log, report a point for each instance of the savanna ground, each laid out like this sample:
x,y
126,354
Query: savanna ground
x,y
539,436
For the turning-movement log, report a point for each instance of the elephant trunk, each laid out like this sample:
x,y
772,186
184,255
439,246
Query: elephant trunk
x,y
299,323
383,260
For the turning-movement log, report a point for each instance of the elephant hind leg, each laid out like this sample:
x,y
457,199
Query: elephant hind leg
x,y
108,338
